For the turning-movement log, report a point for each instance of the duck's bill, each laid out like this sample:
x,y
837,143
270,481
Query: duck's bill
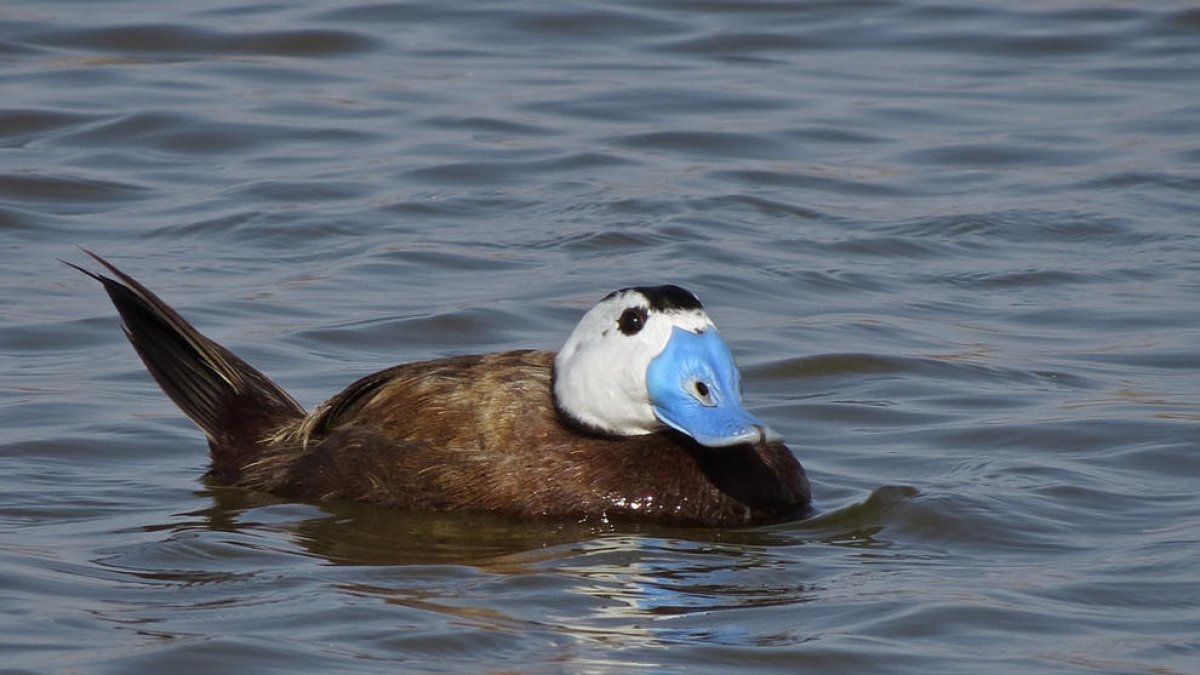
x,y
717,428
693,386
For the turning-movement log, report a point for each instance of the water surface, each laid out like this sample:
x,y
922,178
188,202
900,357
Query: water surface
x,y
954,247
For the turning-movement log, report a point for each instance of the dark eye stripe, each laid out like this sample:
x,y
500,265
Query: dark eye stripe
x,y
632,320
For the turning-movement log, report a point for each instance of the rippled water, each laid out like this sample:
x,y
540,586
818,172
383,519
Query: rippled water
x,y
956,248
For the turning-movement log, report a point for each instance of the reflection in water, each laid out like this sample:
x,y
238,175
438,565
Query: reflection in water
x,y
635,589
358,534
653,588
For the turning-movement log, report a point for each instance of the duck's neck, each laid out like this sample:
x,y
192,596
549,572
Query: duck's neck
x,y
765,476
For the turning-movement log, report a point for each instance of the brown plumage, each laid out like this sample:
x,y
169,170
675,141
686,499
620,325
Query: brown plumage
x,y
469,433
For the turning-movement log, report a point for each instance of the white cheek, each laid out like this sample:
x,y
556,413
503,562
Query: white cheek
x,y
601,372
640,349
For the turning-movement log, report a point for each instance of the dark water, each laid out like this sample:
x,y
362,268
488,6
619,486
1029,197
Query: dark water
x,y
956,248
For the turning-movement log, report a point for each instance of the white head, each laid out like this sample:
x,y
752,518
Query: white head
x,y
648,358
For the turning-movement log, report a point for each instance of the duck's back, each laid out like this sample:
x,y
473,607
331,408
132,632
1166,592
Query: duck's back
x,y
481,433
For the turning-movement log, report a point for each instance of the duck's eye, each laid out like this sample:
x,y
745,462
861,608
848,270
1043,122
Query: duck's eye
x,y
632,320
703,394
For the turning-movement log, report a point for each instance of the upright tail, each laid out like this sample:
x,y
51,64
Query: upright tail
x,y
232,402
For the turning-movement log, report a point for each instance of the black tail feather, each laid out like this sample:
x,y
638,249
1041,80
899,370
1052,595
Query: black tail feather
x,y
230,400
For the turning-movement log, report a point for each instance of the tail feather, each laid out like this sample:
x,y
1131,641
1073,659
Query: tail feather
x,y
232,402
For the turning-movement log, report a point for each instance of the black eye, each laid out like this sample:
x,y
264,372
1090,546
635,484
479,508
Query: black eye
x,y
632,320
702,389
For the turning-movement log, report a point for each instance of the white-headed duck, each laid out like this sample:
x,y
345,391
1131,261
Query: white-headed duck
x,y
638,416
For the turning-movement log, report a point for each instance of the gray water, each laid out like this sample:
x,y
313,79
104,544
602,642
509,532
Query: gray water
x,y
955,248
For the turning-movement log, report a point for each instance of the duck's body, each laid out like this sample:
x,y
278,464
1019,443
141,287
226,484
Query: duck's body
x,y
469,433
482,433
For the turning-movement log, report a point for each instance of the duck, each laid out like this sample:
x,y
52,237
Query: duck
x,y
638,417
